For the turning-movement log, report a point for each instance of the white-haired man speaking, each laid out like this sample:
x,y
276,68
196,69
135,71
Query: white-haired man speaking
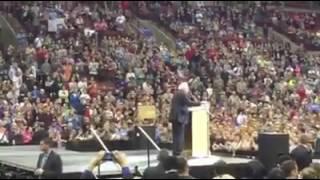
x,y
179,116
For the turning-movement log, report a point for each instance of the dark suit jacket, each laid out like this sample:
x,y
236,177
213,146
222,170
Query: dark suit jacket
x,y
154,172
87,175
186,177
302,156
179,108
175,175
53,166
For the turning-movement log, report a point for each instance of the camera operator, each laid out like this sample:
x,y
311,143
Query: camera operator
x,y
158,171
183,169
118,157
176,168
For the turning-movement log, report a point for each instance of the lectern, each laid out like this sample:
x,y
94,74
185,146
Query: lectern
x,y
200,131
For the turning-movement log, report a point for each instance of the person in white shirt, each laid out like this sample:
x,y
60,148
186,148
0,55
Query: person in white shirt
x,y
120,19
241,118
3,134
93,68
82,85
15,75
147,88
38,42
130,75
17,79
84,97
64,94
13,70
32,72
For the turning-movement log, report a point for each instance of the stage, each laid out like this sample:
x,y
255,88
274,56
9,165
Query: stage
x,y
25,158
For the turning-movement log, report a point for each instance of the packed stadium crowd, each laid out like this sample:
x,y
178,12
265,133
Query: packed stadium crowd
x,y
302,28
90,71
254,81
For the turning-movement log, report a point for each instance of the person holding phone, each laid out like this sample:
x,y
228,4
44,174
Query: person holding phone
x,y
103,156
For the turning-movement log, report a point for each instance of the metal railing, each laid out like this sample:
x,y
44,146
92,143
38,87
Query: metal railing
x,y
145,134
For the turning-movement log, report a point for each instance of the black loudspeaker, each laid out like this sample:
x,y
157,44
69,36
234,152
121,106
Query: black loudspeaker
x,y
141,142
271,145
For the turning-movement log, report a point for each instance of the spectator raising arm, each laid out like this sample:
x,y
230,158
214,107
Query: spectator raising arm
x,y
119,158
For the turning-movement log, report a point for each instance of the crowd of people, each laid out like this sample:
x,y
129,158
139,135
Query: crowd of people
x,y
62,81
253,80
302,28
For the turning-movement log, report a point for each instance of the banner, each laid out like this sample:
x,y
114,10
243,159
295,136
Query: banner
x,y
146,112
88,32
146,33
55,24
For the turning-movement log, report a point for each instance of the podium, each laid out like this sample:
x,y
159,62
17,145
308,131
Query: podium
x,y
200,140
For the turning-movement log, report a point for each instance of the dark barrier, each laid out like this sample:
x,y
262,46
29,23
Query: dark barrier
x,y
271,145
136,142
208,172
93,145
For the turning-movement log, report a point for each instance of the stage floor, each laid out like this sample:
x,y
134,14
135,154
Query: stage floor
x,y
25,157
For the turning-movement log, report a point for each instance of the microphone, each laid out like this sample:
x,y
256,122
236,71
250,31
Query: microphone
x,y
194,97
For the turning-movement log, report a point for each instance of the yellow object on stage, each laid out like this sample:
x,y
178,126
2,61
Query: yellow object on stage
x,y
146,112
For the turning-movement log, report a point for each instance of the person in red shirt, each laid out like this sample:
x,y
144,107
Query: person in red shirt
x,y
42,54
242,44
293,114
87,113
93,89
301,91
27,135
124,5
213,53
190,53
297,70
100,26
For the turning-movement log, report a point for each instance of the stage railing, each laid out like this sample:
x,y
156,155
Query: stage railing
x,y
149,140
100,141
145,134
104,147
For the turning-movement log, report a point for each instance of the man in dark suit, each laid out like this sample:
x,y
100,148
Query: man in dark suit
x,y
176,168
49,164
302,154
183,169
159,171
179,116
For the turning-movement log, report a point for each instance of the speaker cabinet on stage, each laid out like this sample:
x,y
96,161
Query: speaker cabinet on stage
x,y
141,142
271,145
